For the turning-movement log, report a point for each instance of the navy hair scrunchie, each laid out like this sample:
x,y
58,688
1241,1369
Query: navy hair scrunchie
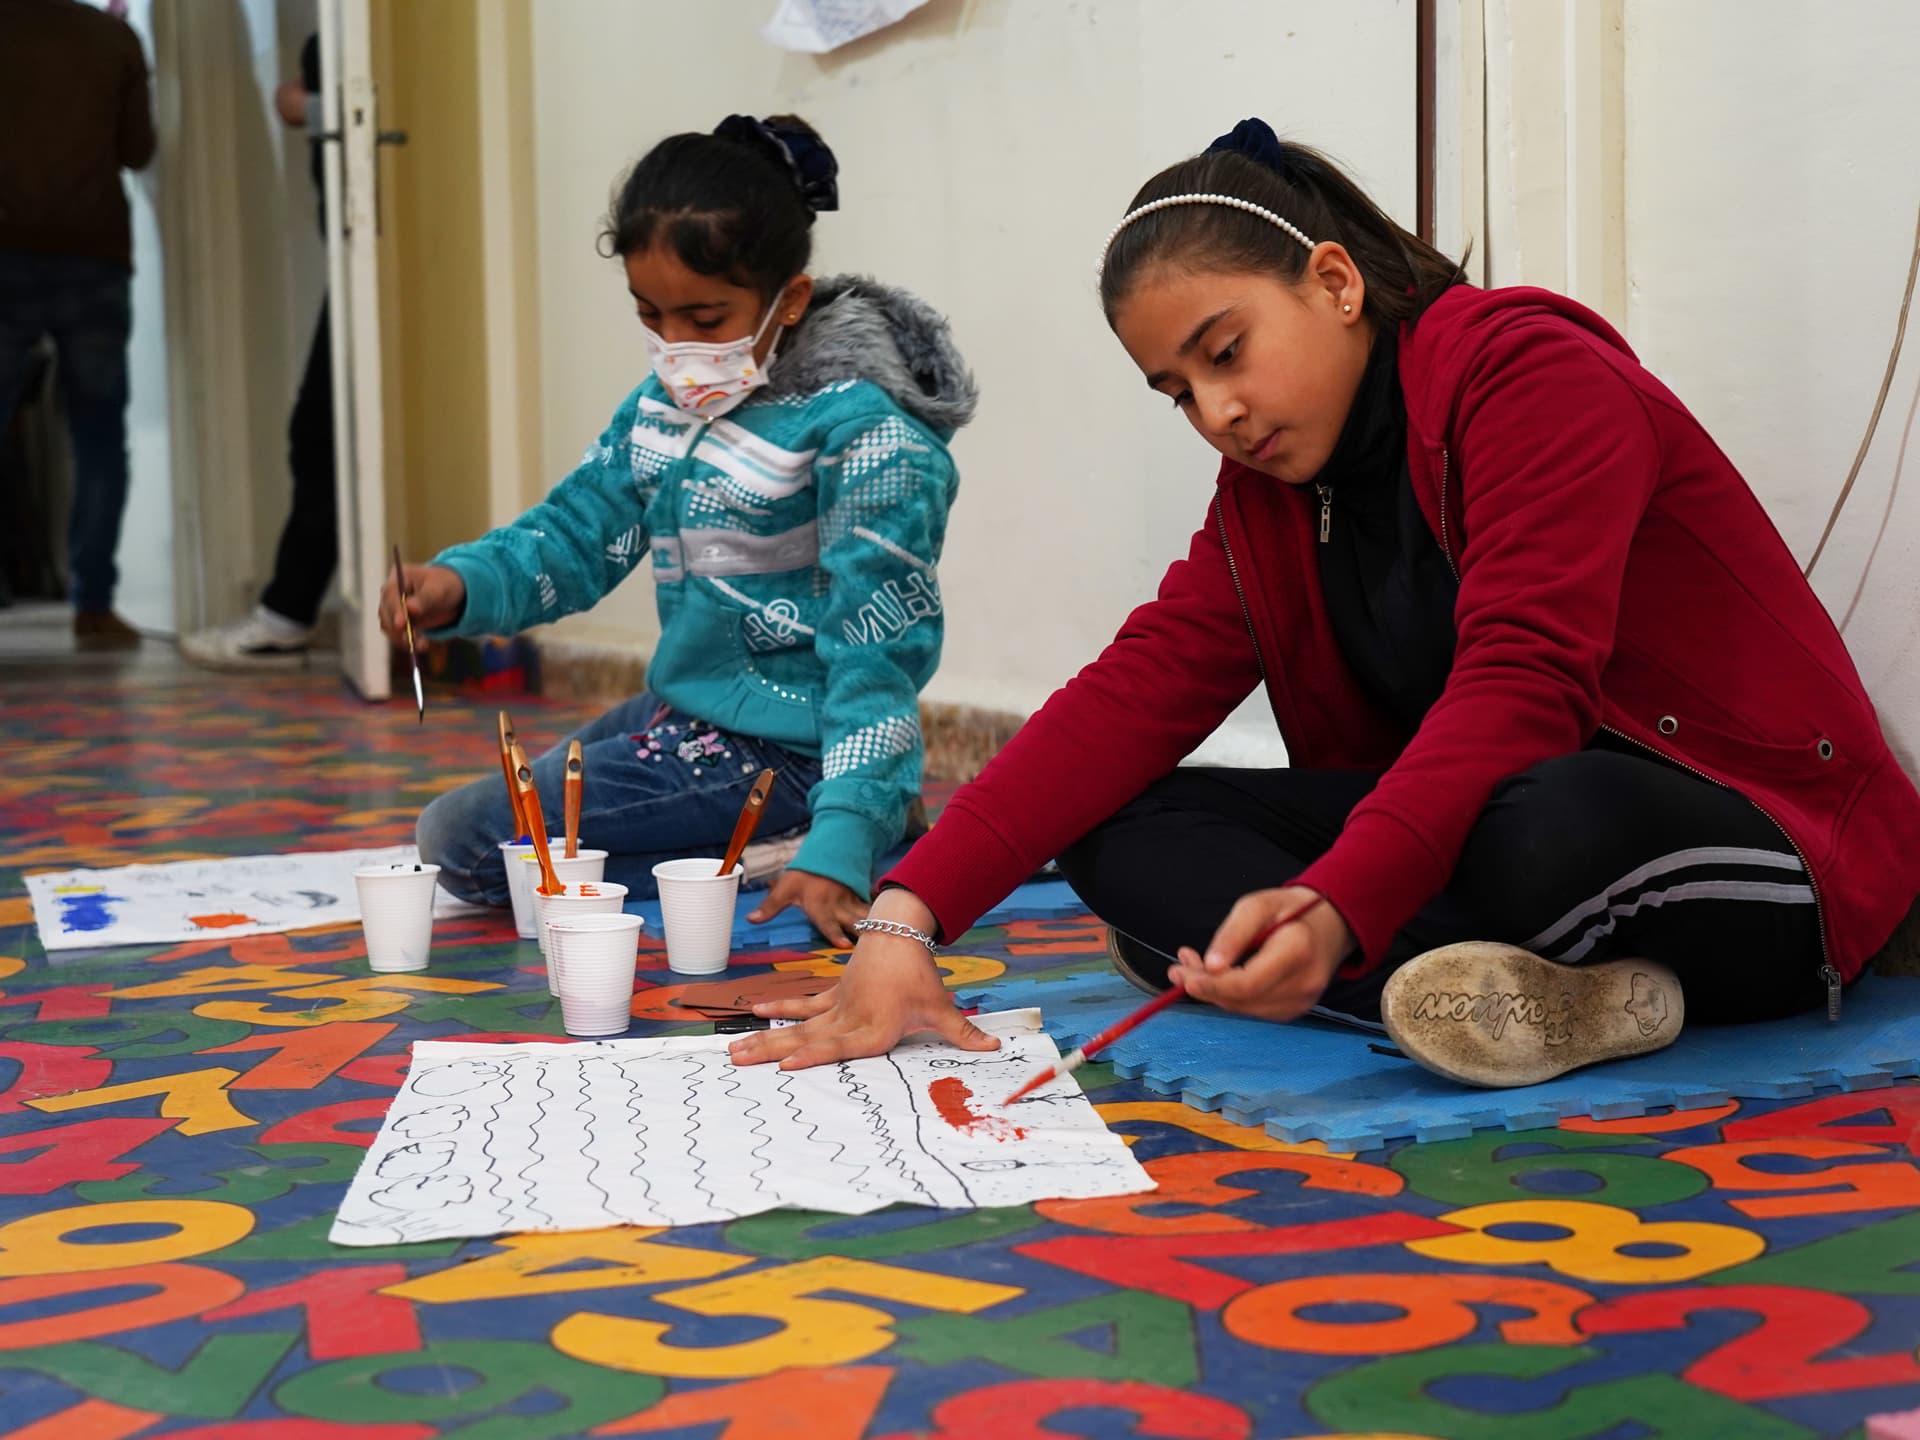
x,y
1254,139
805,155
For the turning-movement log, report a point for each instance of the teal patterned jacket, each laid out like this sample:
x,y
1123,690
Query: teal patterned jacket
x,y
794,543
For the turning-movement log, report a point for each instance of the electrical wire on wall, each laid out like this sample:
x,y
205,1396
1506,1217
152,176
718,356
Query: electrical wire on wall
x,y
1873,421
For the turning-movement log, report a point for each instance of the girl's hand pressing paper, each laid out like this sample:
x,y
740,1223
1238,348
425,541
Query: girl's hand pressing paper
x,y
889,990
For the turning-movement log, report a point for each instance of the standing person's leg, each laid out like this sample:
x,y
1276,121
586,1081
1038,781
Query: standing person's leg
x,y
21,326
276,634
92,320
309,544
22,323
659,786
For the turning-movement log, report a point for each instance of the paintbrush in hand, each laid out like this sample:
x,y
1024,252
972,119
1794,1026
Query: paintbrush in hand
x,y
1074,1059
413,655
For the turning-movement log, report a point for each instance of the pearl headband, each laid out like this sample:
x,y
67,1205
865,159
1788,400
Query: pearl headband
x,y
1233,201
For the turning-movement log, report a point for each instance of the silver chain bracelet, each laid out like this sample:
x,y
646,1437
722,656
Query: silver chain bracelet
x,y
894,927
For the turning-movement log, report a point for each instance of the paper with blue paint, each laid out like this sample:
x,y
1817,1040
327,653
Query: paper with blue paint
x,y
203,899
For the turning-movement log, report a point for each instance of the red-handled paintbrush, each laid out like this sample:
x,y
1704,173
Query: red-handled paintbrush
x,y
1074,1059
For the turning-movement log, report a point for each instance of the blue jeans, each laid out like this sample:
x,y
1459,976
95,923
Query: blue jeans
x,y
86,307
659,785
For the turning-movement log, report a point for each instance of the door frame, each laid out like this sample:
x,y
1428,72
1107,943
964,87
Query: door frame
x,y
214,432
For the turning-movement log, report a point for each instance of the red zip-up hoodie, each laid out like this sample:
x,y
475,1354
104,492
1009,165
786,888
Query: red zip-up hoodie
x,y
1615,573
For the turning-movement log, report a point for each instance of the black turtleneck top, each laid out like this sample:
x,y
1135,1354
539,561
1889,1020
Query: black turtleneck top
x,y
1389,591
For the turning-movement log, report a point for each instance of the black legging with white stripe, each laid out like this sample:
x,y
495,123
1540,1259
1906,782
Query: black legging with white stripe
x,y
1606,853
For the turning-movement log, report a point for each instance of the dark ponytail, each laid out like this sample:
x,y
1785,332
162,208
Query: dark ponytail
x,y
738,203
1404,274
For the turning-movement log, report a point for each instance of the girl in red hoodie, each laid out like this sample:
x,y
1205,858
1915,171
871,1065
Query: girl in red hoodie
x,y
1575,751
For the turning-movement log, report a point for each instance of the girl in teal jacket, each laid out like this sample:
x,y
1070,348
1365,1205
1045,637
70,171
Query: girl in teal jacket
x,y
785,467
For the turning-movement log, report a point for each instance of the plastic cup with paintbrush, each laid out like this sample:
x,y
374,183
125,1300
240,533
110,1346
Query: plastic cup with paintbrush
x,y
697,900
520,843
535,818
1075,1058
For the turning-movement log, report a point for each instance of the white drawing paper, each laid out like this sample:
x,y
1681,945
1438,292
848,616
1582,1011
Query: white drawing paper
x,y
488,1139
207,899
813,27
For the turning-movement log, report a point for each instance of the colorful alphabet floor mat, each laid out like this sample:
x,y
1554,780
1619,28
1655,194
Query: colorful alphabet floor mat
x,y
179,1123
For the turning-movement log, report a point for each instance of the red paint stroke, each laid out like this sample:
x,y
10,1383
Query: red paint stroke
x,y
954,1101
221,921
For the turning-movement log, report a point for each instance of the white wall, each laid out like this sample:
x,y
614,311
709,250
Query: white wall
x,y
1771,183
985,146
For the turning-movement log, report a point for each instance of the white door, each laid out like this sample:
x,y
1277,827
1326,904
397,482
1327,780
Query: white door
x,y
351,177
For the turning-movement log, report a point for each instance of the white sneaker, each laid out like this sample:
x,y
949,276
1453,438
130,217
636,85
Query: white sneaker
x,y
260,641
764,859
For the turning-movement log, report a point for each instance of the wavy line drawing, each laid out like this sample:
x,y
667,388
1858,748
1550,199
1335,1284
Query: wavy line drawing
x,y
583,1109
638,1123
538,1073
731,1078
874,1114
858,1179
491,1175
696,1071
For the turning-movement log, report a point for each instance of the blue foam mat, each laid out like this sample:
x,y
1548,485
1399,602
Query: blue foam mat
x,y
792,930
1316,1081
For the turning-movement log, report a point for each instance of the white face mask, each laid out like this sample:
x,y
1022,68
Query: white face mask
x,y
709,378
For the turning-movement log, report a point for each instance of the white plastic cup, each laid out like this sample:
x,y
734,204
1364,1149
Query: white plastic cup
x,y
596,955
582,897
696,911
587,865
396,914
519,885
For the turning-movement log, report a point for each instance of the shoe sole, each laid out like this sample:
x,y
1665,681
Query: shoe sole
x,y
1497,1016
1123,963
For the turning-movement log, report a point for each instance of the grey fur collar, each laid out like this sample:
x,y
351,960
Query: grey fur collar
x,y
859,329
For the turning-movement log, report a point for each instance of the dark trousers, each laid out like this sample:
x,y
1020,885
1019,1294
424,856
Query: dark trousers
x,y
1598,855
86,307
310,541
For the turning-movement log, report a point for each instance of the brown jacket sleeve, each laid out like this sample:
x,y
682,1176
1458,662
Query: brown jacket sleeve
x,y
136,109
